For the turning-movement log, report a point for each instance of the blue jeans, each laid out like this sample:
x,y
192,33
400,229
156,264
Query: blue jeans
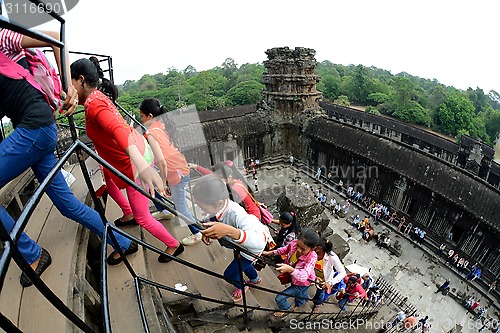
x,y
298,292
25,148
232,273
322,295
343,302
179,197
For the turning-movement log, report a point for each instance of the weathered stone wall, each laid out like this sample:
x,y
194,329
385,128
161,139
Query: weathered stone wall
x,y
311,214
410,171
298,199
290,81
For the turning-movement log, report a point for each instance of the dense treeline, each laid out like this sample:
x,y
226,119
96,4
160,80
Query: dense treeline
x,y
409,98
413,99
218,87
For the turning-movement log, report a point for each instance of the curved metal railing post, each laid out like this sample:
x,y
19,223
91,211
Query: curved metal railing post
x,y
237,256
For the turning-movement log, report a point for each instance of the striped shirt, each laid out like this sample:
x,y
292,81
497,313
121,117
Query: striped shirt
x,y
10,44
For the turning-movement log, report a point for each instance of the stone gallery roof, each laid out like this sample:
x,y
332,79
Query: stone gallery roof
x,y
196,128
467,141
394,125
473,194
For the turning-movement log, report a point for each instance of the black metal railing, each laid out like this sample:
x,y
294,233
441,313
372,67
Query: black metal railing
x,y
11,252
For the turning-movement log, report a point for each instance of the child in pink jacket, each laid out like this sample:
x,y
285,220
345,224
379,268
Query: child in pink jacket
x,y
299,262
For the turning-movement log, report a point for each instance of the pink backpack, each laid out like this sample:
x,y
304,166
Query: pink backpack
x,y
41,75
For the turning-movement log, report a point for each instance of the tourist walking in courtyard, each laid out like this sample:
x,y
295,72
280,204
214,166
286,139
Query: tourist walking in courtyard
x,y
400,317
317,176
444,286
256,183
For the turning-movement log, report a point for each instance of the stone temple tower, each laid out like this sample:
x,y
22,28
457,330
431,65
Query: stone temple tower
x,y
290,81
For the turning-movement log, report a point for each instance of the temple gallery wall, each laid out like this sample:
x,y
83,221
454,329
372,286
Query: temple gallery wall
x,y
448,189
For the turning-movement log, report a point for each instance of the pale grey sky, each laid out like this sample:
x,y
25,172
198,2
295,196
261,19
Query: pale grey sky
x,y
455,42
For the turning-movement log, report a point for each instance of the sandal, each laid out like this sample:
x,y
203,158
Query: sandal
x,y
132,248
43,264
119,223
280,314
238,294
250,282
163,258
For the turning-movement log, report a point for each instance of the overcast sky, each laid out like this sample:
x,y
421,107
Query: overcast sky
x,y
455,42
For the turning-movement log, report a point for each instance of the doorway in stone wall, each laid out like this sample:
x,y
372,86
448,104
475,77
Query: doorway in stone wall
x,y
456,233
230,155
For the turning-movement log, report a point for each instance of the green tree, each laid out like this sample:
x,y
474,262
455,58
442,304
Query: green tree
x,y
413,112
360,84
146,83
330,87
343,100
204,86
479,99
455,113
372,110
436,98
248,92
189,72
248,72
229,67
377,98
405,90
492,123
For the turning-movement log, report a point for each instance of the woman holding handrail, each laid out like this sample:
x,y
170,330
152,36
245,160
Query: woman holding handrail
x,y
121,146
32,145
174,171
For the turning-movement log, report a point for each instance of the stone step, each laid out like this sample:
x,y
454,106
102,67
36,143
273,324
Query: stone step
x,y
210,257
123,303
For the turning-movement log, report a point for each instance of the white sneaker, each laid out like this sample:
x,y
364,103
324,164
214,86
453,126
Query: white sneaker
x,y
191,240
163,216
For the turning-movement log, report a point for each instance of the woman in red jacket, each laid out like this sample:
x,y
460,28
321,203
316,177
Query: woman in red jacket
x,y
122,147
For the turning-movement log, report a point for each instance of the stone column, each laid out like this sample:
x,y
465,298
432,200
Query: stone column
x,y
291,80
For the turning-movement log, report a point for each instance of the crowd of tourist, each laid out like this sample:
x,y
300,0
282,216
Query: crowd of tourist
x,y
379,211
307,258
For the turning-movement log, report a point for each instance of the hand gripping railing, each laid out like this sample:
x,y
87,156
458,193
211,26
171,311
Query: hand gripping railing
x,y
10,240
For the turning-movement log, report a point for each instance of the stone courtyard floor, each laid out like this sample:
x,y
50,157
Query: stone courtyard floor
x,y
415,274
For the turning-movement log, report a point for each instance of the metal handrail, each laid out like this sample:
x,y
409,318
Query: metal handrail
x,y
10,240
11,250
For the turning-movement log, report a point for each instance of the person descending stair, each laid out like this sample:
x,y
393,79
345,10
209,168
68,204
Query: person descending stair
x,y
124,148
174,171
299,264
227,218
32,145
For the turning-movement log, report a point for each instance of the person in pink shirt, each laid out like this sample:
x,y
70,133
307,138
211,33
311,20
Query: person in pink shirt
x,y
353,291
123,147
299,263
